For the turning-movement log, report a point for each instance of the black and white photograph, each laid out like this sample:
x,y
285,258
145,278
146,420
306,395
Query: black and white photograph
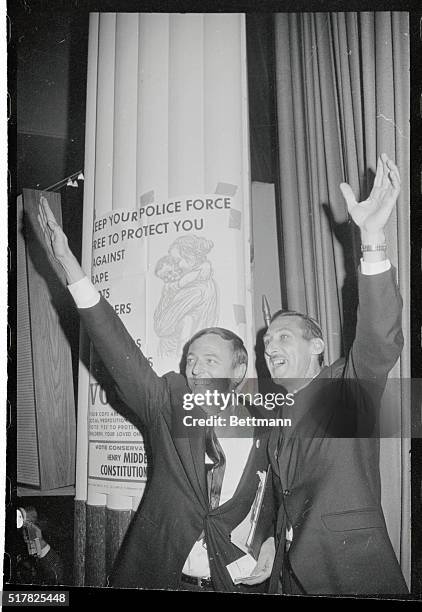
x,y
214,291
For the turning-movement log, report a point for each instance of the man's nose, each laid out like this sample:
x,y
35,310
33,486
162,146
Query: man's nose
x,y
197,368
270,348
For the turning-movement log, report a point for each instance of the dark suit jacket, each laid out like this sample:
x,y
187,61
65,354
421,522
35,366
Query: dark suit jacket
x,y
327,466
175,509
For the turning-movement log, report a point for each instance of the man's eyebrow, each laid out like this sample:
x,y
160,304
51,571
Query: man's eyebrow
x,y
205,355
277,329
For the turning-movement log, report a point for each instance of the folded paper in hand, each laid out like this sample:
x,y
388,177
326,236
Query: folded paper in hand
x,y
241,568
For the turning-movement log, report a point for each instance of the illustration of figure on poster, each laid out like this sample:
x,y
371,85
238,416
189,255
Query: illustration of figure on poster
x,y
189,297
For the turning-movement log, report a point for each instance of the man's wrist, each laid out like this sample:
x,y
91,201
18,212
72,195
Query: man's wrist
x,y
72,269
373,246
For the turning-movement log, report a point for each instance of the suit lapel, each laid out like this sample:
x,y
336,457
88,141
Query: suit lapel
x,y
190,445
191,451
197,462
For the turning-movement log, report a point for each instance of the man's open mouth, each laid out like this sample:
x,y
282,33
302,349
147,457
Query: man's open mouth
x,y
278,361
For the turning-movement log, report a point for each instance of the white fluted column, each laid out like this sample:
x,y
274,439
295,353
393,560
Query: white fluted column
x,y
125,111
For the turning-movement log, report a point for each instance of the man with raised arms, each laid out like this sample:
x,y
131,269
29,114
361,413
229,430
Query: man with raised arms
x,y
331,535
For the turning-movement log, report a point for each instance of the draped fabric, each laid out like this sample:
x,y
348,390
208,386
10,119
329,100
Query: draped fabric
x,y
342,99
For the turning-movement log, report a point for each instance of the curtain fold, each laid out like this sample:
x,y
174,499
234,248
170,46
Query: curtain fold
x,y
342,84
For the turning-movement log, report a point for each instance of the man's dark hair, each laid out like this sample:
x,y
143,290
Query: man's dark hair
x,y
240,354
311,328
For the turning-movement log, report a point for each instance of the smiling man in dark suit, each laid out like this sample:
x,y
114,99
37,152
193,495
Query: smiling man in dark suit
x,y
331,533
180,535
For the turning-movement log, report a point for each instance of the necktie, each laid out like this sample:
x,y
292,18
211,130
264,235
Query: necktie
x,y
215,472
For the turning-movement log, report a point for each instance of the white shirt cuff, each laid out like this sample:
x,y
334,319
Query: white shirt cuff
x,y
370,268
84,293
44,551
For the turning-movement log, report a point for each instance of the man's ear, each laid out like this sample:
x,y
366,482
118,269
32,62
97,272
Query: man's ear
x,y
317,345
239,373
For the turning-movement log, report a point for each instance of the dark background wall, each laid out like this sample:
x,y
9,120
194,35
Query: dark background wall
x,y
51,90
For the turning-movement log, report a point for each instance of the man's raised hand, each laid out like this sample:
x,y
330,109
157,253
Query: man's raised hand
x,y
54,237
372,214
56,243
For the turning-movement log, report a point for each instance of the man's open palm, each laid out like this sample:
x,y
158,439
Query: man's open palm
x,y
372,214
55,238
